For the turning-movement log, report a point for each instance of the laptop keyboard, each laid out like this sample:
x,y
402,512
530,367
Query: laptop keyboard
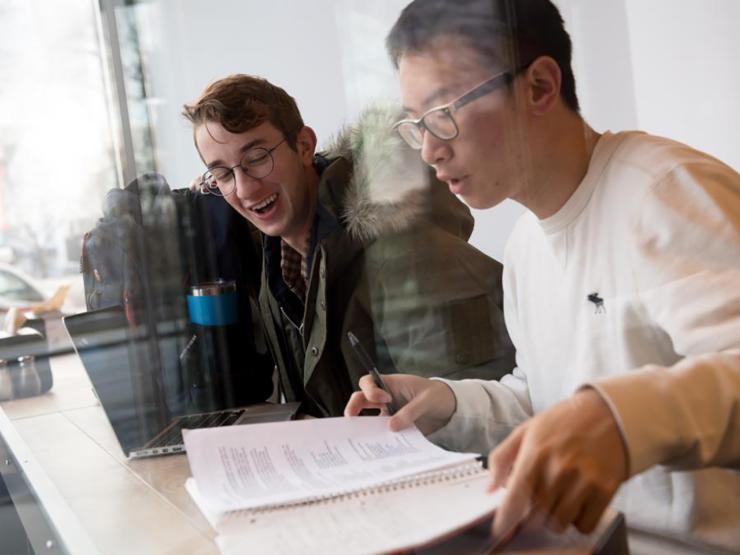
x,y
205,420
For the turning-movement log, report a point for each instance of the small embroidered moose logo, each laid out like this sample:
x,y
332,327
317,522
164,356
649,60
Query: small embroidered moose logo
x,y
598,302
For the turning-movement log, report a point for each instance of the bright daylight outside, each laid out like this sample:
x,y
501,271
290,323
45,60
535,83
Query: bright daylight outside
x,y
56,154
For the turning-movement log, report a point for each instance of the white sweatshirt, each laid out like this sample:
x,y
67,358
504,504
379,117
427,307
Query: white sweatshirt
x,y
633,287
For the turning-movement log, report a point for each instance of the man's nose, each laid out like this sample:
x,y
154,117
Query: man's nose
x,y
434,150
244,183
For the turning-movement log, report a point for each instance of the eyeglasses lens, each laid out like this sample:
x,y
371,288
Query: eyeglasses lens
x,y
214,180
411,134
256,163
441,124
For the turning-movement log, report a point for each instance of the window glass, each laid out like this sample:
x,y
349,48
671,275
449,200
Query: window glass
x,y
344,195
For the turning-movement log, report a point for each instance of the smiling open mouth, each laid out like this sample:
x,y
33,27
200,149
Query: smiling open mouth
x,y
265,205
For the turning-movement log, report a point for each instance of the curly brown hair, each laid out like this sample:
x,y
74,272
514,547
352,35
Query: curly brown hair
x,y
241,102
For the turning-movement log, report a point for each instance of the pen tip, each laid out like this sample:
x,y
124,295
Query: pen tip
x,y
352,338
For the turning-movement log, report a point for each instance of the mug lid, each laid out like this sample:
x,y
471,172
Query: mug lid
x,y
209,288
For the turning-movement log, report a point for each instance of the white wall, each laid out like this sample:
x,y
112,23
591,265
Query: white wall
x,y
686,70
328,54
666,66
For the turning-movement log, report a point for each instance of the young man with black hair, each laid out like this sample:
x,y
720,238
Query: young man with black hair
x,y
353,239
621,284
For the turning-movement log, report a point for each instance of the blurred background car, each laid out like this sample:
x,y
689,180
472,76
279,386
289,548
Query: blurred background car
x,y
38,304
17,290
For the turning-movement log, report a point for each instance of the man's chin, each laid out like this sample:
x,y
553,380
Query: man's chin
x,y
271,230
479,200
476,202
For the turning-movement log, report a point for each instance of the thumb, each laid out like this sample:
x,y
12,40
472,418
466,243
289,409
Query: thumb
x,y
408,414
501,459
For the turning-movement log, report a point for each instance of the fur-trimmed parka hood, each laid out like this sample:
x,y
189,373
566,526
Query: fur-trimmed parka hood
x,y
391,188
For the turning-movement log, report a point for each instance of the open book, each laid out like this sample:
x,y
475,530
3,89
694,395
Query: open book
x,y
332,485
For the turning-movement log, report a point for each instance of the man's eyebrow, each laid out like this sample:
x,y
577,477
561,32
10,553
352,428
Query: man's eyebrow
x,y
252,144
430,101
242,150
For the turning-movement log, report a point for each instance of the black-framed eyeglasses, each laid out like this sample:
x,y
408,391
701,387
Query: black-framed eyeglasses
x,y
440,122
256,162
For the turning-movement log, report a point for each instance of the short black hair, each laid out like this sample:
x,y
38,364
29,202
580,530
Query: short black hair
x,y
505,33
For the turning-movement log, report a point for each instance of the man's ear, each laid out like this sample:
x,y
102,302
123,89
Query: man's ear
x,y
543,79
306,145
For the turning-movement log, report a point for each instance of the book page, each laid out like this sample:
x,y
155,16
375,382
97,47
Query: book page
x,y
377,522
242,467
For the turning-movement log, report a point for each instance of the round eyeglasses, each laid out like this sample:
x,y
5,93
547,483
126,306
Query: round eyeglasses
x,y
439,121
256,162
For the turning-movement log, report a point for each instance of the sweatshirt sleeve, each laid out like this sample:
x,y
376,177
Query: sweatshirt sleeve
x,y
487,411
686,416
687,267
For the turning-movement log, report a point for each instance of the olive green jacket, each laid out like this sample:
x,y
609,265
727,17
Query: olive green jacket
x,y
391,263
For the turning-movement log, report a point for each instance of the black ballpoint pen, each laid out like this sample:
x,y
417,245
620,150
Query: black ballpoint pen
x,y
369,365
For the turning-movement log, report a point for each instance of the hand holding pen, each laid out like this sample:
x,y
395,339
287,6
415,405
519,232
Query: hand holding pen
x,y
372,370
408,399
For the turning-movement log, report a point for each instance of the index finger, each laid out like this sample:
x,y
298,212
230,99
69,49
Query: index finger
x,y
370,396
518,499
358,402
372,391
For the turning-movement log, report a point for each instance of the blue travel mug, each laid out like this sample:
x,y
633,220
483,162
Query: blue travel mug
x,y
213,311
213,303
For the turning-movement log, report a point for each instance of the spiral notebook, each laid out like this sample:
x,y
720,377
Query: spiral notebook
x,y
334,485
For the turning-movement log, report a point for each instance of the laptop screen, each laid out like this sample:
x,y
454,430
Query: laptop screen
x,y
132,392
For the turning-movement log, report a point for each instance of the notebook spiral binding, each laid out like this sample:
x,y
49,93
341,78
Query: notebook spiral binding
x,y
467,470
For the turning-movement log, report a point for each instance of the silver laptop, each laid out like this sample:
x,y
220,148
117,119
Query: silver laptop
x,y
147,401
